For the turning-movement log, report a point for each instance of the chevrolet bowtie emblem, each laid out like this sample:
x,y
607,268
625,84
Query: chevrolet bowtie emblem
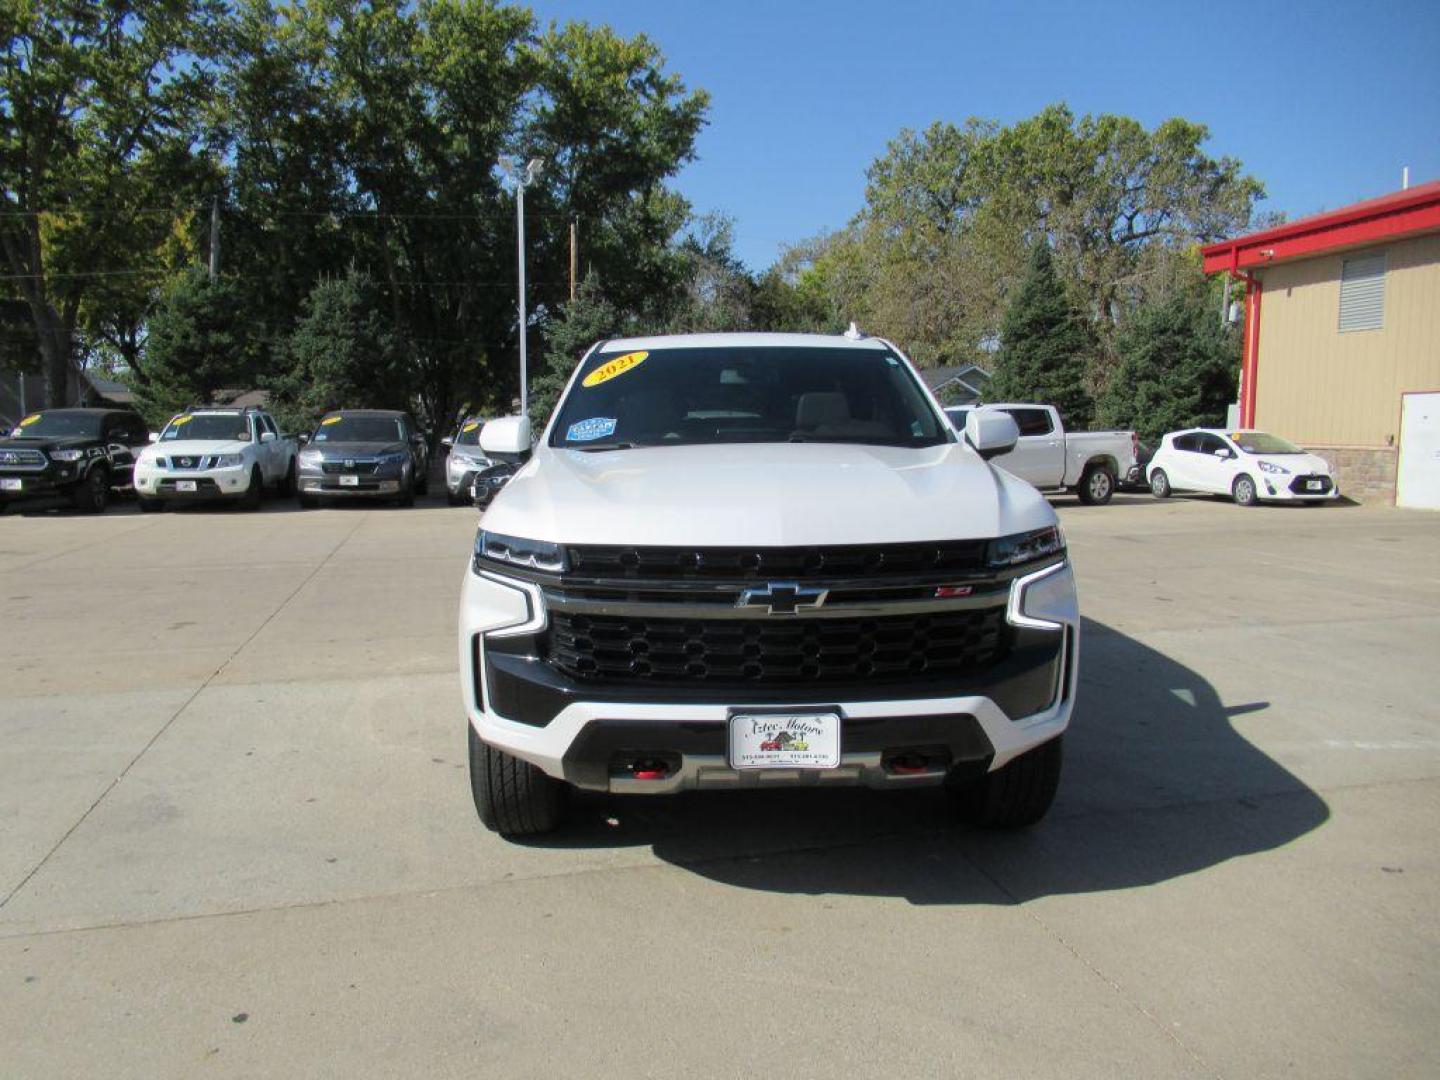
x,y
782,597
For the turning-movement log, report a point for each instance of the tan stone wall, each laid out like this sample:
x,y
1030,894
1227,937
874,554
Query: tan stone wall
x,y
1365,474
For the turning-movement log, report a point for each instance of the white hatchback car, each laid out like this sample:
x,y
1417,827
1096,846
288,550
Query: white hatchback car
x,y
1249,466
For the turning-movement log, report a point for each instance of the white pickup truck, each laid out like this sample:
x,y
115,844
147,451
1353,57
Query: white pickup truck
x,y
216,454
1052,459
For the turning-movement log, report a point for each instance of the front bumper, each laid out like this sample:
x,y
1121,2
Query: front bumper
x,y
1287,487
210,484
891,735
56,480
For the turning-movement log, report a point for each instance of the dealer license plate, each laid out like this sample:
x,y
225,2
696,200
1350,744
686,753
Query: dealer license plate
x,y
185,485
349,481
1314,485
11,483
784,741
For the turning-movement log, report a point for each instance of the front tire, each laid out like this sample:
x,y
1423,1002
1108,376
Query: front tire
x,y
1159,484
1097,485
513,797
1017,794
1243,491
255,493
93,493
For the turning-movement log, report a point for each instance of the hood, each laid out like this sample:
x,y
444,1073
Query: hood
x,y
764,494
195,447
340,451
67,442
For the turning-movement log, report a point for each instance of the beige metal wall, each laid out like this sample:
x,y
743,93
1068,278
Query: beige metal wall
x,y
1317,386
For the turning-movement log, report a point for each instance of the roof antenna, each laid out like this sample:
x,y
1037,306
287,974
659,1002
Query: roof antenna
x,y
1405,178
854,333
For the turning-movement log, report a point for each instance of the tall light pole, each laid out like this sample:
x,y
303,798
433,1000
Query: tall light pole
x,y
523,178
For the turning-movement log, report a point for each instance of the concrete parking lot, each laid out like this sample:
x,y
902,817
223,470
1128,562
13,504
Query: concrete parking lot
x,y
236,836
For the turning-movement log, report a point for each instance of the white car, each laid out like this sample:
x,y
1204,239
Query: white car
x,y
465,461
1249,466
739,561
208,455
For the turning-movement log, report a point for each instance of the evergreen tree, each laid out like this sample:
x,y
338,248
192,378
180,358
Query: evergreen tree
x,y
1177,366
582,322
1045,345
343,354
199,342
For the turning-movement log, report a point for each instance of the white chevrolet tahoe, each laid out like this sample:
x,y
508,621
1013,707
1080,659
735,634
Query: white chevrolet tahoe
x,y
208,455
746,560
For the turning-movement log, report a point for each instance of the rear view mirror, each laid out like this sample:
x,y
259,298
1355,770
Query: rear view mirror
x,y
991,433
507,435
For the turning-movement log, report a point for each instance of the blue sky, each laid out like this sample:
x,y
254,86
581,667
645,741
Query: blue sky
x,y
1323,101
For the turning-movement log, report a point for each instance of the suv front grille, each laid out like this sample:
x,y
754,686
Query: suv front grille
x,y
355,468
776,651
788,564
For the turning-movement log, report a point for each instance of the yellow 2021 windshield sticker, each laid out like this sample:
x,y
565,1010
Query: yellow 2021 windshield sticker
x,y
611,368
181,420
32,418
331,420
470,426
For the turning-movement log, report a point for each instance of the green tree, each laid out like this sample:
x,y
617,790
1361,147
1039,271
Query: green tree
x,y
1178,364
99,107
200,341
1044,345
343,354
589,318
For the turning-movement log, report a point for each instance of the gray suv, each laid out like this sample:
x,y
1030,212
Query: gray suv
x,y
364,454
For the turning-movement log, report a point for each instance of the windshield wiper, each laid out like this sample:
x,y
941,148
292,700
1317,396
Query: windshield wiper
x,y
593,448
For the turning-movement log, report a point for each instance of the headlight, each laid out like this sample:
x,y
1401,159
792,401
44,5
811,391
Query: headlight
x,y
1026,547
1265,466
67,455
534,554
466,461
311,457
228,461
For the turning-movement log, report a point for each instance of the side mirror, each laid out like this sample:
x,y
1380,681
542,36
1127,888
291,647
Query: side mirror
x,y
417,439
991,433
267,436
507,435
154,436
1222,452
304,437
447,441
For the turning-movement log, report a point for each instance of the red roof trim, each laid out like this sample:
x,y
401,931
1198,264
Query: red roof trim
x,y
1401,213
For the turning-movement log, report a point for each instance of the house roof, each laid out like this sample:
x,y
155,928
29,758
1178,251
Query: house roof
x,y
1400,214
943,376
110,389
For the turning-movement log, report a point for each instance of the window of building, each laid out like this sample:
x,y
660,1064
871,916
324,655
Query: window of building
x,y
1362,293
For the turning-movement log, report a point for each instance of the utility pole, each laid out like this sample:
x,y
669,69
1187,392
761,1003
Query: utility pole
x,y
574,259
523,178
214,237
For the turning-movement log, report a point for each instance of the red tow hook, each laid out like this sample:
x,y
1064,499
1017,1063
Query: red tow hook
x,y
908,766
649,770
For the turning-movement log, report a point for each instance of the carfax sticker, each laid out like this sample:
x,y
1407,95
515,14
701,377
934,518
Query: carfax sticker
x,y
596,427
611,368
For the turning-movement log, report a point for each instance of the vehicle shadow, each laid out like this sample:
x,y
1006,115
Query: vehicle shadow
x,y
1157,784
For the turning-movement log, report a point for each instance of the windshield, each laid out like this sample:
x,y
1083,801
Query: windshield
x,y
678,397
1258,442
60,424
469,433
355,429
212,427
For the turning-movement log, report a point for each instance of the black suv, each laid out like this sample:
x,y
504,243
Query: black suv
x,y
75,454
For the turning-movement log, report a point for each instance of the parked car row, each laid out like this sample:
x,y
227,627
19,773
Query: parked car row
x,y
86,456
1249,466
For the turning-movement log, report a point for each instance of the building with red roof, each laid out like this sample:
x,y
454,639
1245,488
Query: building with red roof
x,y
1342,339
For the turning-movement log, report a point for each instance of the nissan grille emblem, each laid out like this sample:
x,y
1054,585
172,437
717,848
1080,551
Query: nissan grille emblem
x,y
782,598
185,461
